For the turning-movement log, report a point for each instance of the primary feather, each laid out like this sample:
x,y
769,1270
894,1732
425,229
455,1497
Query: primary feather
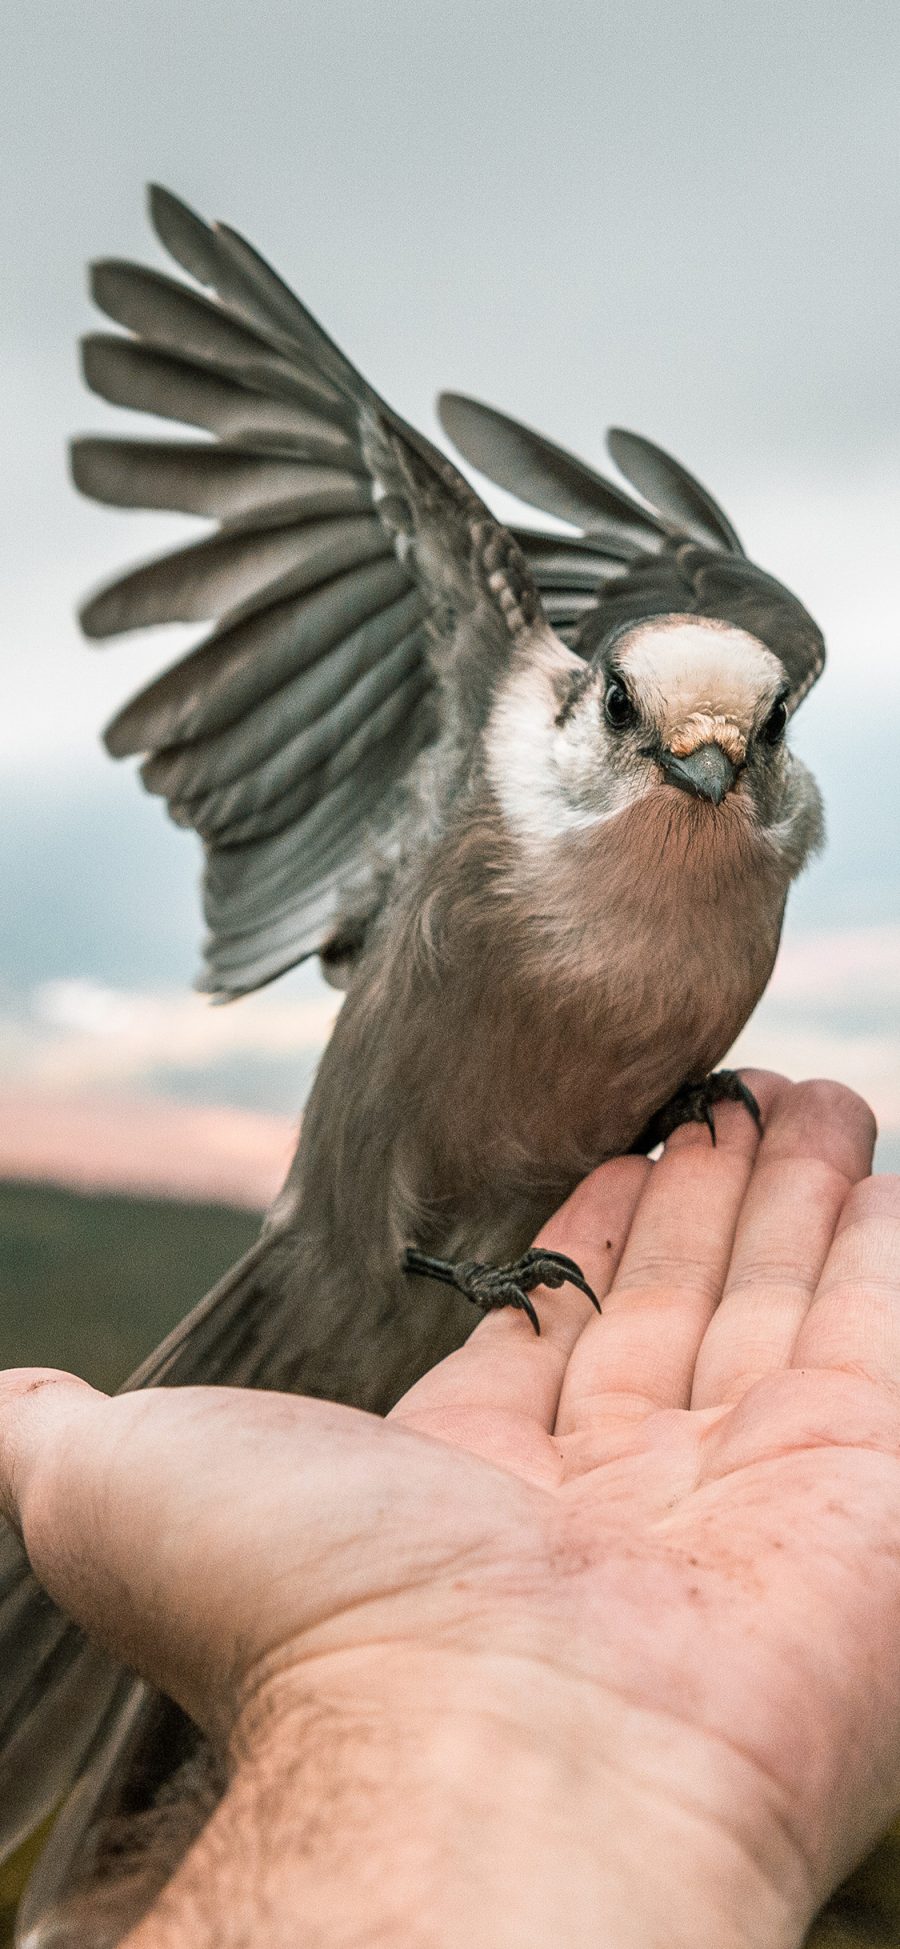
x,y
287,738
689,560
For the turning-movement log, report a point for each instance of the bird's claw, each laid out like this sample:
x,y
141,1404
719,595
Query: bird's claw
x,y
492,1286
694,1104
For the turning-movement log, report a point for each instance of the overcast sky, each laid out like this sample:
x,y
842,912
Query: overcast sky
x,y
678,217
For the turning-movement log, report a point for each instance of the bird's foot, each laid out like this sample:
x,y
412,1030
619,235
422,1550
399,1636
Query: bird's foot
x,y
491,1286
694,1104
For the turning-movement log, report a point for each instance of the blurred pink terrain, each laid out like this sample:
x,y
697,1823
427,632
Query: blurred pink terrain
x,y
145,1146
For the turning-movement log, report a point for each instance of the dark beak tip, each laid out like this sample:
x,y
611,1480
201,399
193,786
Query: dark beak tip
x,y
707,773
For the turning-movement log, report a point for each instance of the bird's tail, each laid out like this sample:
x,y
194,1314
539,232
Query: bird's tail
x,y
68,1712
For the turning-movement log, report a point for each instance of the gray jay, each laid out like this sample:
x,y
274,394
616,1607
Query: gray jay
x,y
526,794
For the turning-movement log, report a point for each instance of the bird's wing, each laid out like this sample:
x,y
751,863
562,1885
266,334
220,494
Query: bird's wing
x,y
674,550
346,550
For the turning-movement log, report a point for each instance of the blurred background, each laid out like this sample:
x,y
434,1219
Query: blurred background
x,y
681,218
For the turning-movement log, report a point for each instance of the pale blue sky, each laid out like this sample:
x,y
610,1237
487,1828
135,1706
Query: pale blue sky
x,y
683,218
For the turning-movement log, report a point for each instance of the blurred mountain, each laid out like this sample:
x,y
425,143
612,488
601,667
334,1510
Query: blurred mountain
x,y
92,1282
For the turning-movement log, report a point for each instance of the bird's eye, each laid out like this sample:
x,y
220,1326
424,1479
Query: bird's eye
x,y
773,729
619,708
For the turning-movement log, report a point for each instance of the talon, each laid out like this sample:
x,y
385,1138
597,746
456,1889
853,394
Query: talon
x,y
490,1287
538,1256
579,1280
749,1102
557,1269
694,1104
523,1303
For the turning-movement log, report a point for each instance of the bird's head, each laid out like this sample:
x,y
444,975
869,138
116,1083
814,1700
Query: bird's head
x,y
692,706
679,713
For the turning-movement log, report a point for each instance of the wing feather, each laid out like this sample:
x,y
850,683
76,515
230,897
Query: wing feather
x,y
264,813
258,917
217,683
224,483
690,561
546,476
279,733
346,551
173,318
127,373
215,577
671,489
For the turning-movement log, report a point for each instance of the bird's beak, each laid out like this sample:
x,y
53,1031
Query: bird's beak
x,y
707,773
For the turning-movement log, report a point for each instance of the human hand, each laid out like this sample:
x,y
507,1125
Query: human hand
x,y
595,1636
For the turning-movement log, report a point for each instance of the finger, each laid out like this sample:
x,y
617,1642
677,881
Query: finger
x,y
818,1142
641,1355
497,1395
100,1490
36,1404
189,1530
853,1324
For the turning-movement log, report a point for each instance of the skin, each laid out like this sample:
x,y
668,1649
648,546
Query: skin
x,y
594,1639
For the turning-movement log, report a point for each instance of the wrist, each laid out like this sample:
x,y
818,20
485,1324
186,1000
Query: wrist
x,y
487,1804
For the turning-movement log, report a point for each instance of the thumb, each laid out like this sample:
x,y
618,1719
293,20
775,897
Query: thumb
x,y
37,1407
129,1520
191,1530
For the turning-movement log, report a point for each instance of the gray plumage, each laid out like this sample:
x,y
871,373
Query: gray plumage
x,y
471,768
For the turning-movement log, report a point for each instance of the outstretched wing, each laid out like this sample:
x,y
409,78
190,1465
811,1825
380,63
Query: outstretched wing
x,y
346,553
673,551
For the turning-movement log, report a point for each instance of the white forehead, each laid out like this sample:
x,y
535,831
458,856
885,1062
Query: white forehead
x,y
679,665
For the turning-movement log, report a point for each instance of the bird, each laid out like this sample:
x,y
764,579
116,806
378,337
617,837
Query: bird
x,y
528,795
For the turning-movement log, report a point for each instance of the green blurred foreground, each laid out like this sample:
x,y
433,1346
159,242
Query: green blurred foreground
x,y
92,1283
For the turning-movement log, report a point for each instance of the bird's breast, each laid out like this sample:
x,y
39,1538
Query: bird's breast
x,y
551,1046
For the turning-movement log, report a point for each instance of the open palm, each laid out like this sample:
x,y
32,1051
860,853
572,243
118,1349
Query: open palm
x,y
683,1517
